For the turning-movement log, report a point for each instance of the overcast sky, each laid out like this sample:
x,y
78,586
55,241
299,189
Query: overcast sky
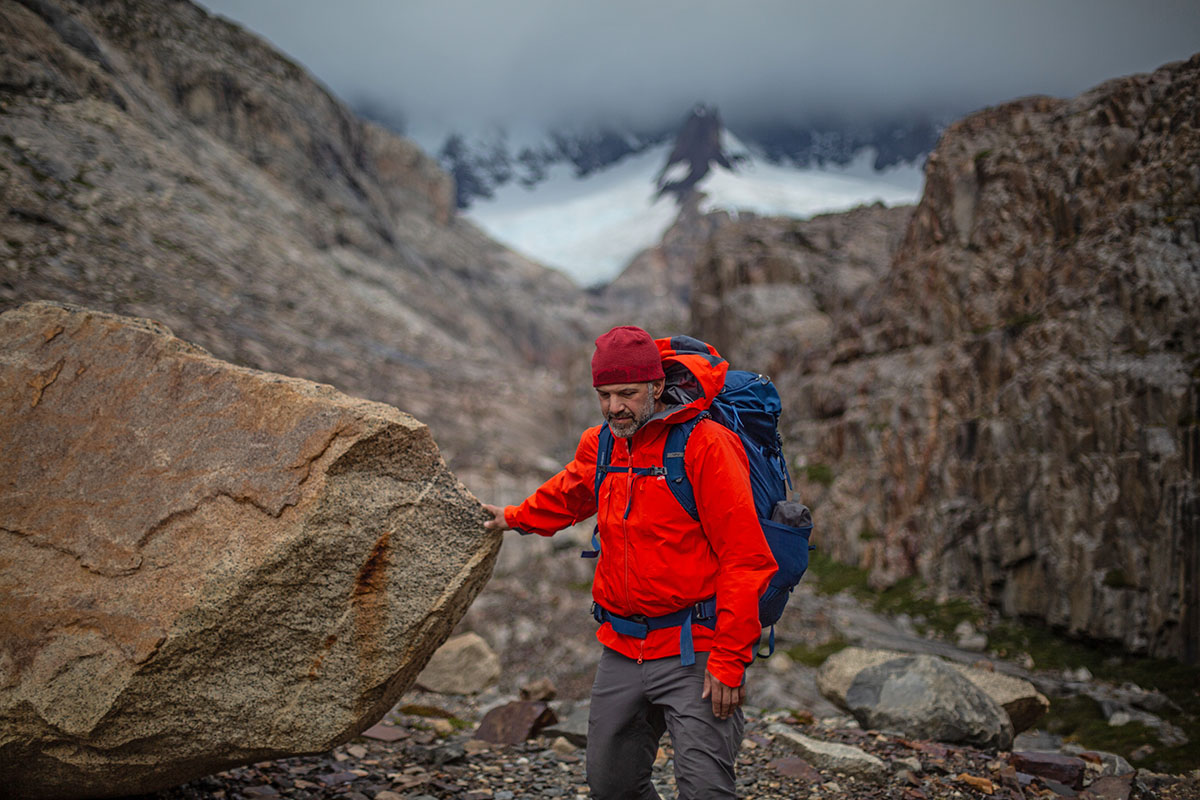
x,y
461,64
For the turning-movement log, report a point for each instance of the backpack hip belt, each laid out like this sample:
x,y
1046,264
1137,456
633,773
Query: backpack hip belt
x,y
639,625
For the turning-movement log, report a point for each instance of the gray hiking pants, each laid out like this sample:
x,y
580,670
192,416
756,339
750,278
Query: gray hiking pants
x,y
632,704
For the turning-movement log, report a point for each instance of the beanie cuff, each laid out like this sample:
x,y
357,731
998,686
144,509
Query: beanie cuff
x,y
627,374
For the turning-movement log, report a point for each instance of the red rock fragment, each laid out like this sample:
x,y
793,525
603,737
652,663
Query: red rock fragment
x,y
515,722
929,748
796,768
1110,788
385,733
1066,770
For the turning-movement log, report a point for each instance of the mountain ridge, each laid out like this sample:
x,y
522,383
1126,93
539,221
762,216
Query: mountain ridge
x,y
486,161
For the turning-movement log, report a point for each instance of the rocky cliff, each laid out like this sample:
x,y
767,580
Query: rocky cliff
x,y
1011,410
160,162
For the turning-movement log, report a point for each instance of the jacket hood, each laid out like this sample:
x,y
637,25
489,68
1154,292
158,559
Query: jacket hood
x,y
695,375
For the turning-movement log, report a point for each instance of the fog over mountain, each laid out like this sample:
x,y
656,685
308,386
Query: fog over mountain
x,y
432,66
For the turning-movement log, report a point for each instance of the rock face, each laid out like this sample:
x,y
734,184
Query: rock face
x,y
926,698
1011,409
160,162
769,291
202,565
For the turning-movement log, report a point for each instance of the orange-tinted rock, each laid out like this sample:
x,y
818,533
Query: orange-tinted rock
x,y
203,565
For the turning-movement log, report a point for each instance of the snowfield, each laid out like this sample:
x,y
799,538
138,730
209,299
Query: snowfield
x,y
590,228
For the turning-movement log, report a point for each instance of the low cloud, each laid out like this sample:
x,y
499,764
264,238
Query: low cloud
x,y
452,64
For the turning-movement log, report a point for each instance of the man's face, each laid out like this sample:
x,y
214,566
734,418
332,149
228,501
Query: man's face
x,y
627,406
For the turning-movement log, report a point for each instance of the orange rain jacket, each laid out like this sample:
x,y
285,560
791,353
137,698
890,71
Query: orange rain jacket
x,y
654,558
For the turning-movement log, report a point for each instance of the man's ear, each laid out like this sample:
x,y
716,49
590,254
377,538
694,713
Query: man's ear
x,y
657,387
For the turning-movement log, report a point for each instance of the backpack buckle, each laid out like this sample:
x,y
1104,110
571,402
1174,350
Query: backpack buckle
x,y
657,472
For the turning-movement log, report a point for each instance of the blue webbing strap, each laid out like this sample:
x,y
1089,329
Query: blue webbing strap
x,y
771,646
702,613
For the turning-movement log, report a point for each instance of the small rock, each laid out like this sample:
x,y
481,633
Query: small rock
x,y
260,791
388,794
796,768
541,689
1112,787
1119,718
442,727
1111,764
779,663
982,784
1060,789
574,726
356,750
563,746
385,733
1067,770
967,638
1142,753
832,755
515,722
337,778
911,764
464,664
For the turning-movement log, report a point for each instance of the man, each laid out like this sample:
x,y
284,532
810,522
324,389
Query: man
x,y
677,598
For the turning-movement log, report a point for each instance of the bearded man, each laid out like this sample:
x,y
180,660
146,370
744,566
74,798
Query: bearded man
x,y
677,597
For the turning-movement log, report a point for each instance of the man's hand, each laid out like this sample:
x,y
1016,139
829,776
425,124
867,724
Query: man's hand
x,y
725,699
497,522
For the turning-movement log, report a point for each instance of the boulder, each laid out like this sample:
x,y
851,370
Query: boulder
x,y
925,698
463,665
1019,698
203,565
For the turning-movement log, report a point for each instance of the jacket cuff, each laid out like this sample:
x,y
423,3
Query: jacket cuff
x,y
510,513
728,670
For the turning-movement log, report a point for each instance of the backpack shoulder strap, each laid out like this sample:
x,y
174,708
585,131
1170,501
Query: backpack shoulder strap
x,y
673,461
604,448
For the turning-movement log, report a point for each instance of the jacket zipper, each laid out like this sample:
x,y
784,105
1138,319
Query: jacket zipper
x,y
625,522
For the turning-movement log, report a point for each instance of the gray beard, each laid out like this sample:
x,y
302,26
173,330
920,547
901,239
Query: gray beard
x,y
626,429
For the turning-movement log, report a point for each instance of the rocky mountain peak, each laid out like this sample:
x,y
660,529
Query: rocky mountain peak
x,y
698,146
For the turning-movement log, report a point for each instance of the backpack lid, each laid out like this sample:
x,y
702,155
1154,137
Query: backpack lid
x,y
695,375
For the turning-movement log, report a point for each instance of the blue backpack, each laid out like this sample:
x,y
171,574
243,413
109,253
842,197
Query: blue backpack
x,y
749,406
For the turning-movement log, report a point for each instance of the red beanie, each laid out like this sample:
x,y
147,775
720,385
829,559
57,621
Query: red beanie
x,y
626,354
